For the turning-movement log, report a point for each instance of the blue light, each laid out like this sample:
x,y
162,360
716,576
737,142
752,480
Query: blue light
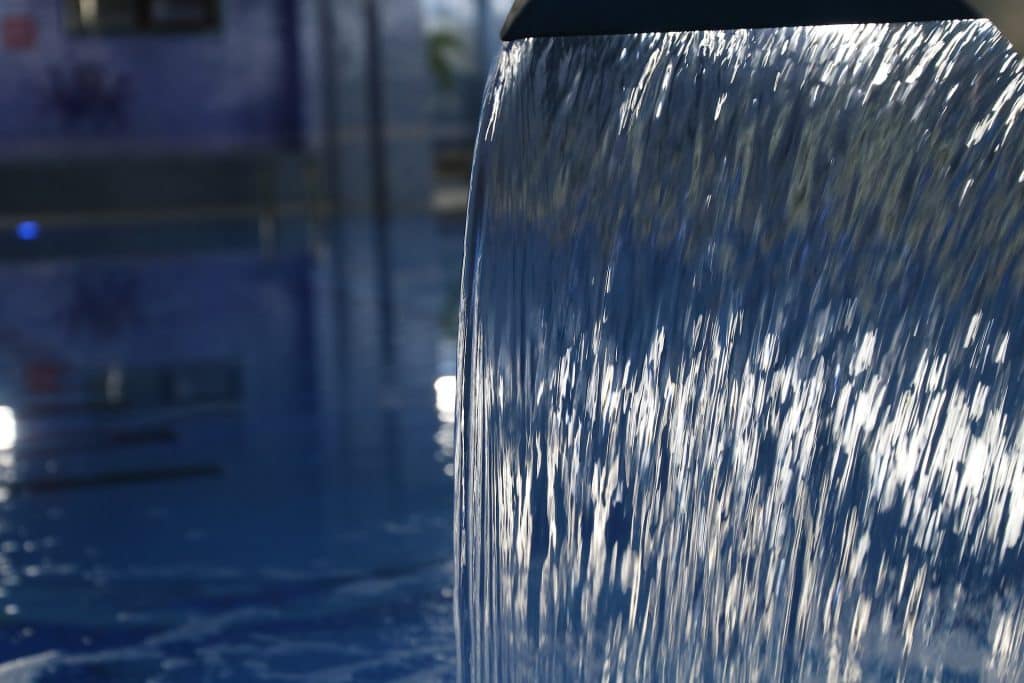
x,y
27,231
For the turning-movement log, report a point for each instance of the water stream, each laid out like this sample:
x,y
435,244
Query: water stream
x,y
742,360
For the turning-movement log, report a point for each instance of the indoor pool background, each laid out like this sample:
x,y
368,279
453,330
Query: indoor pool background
x,y
230,247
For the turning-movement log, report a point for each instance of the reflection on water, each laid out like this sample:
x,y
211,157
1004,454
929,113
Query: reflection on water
x,y
445,389
745,349
237,546
8,429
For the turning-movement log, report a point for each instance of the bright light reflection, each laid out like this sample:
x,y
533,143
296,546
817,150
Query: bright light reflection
x,y
445,390
89,10
845,31
8,429
27,231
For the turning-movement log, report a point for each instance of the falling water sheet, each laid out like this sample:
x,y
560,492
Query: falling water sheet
x,y
742,350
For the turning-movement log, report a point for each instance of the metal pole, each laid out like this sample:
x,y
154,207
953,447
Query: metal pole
x,y
381,190
330,278
483,37
331,180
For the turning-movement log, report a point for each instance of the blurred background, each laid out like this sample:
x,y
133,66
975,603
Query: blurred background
x,y
230,252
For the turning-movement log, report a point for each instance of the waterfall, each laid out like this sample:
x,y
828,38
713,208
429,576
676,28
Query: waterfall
x,y
742,358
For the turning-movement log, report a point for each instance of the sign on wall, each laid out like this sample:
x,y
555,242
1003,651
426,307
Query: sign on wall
x,y
19,32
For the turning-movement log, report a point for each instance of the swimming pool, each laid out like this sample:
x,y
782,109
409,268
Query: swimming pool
x,y
253,545
278,571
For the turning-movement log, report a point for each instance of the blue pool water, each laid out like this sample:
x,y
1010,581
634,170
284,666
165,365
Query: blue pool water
x,y
742,360
271,572
262,541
